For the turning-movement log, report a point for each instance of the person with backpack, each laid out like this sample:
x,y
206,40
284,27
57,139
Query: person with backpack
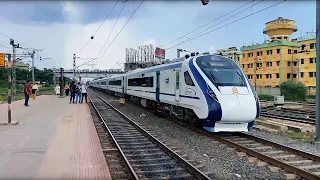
x,y
72,92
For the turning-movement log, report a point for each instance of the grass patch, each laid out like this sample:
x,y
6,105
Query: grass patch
x,y
265,97
307,137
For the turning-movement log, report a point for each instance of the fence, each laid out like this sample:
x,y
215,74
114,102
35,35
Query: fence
x,y
274,91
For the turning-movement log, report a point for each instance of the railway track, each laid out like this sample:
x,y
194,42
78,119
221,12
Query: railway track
x,y
292,160
289,159
288,115
144,155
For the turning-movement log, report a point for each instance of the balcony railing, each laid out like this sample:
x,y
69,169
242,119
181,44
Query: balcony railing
x,y
295,28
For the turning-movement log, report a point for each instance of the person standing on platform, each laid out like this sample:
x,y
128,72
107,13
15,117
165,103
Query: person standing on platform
x,y
78,93
57,89
72,92
67,89
27,92
84,92
34,90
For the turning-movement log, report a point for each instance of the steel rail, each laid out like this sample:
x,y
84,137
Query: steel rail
x,y
193,170
114,140
268,159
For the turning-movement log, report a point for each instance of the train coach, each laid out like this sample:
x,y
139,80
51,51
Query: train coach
x,y
208,90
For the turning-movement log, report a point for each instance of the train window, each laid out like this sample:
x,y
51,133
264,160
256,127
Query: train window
x,y
143,82
187,79
115,83
103,83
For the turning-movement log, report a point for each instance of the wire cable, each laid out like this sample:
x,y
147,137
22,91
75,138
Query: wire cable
x,y
197,36
207,23
112,28
99,27
12,38
121,30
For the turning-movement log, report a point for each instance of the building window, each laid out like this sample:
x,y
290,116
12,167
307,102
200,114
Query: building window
x,y
268,76
294,75
268,64
258,65
289,63
238,58
249,76
295,51
188,79
302,74
312,45
243,55
250,65
277,75
301,61
242,65
295,63
289,51
251,54
288,75
302,47
259,76
312,74
278,51
278,63
269,52
312,60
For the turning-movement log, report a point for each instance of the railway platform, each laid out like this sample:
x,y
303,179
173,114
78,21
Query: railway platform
x,y
53,140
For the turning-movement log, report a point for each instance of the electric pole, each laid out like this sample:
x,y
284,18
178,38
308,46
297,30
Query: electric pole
x,y
74,66
32,57
13,72
53,74
318,70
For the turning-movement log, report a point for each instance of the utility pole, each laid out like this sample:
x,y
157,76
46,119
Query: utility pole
x,y
74,66
9,87
54,76
178,52
13,72
32,57
61,82
318,70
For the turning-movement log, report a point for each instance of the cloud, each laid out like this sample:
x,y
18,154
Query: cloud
x,y
150,41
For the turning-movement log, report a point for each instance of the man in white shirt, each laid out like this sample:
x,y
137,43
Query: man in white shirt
x,y
84,92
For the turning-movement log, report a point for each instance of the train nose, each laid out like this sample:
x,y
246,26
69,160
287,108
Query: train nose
x,y
237,105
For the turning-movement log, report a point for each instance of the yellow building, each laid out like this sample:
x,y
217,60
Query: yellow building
x,y
232,53
307,57
280,58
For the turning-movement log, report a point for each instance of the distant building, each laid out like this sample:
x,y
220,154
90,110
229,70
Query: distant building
x,y
20,65
232,53
280,58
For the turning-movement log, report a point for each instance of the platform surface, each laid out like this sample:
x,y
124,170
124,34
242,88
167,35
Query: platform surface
x,y
54,140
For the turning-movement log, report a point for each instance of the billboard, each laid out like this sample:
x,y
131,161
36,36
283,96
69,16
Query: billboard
x,y
2,63
160,53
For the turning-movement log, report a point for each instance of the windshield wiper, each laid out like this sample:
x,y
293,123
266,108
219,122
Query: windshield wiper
x,y
214,78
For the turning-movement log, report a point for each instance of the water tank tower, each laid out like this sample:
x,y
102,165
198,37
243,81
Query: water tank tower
x,y
280,29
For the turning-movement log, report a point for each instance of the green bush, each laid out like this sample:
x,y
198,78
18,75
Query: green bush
x,y
265,97
293,91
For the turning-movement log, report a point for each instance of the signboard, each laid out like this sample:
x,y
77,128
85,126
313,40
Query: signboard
x,y
160,53
2,63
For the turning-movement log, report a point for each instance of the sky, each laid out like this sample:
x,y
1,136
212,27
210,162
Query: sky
x,y
62,28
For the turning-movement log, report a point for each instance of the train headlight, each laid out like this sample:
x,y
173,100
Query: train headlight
x,y
212,94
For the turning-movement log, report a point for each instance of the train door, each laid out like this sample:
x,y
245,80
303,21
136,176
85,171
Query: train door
x,y
158,86
177,86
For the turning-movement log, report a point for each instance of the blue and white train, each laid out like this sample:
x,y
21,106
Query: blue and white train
x,y
208,90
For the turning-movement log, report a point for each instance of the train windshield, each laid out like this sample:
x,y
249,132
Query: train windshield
x,y
221,71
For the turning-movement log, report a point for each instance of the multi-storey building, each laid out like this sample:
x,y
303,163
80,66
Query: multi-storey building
x,y
280,58
232,53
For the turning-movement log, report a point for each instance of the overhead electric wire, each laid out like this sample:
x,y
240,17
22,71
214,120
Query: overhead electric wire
x,y
112,28
197,36
208,23
121,30
99,27
12,38
4,46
